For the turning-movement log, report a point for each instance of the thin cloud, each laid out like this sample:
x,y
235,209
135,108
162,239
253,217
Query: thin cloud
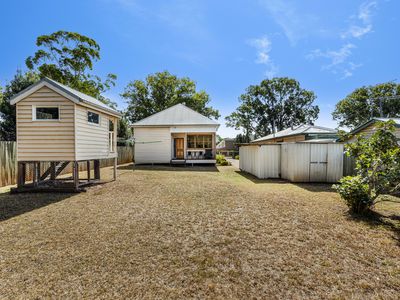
x,y
295,25
263,47
337,60
364,19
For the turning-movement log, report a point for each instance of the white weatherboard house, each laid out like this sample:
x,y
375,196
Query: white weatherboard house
x,y
177,134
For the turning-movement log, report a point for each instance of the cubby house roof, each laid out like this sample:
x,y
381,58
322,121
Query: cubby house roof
x,y
178,114
67,92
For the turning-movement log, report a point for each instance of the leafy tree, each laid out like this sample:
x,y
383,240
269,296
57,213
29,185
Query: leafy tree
x,y
364,103
123,129
162,90
67,57
377,167
275,104
244,118
241,138
7,111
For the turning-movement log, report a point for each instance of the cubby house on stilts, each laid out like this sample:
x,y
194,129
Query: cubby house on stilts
x,y
58,126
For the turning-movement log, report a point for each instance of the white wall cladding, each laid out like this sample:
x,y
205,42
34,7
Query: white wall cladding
x,y
153,145
297,162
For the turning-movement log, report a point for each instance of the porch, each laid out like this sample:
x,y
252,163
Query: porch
x,y
193,148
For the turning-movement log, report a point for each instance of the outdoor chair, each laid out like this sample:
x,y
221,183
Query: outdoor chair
x,y
208,154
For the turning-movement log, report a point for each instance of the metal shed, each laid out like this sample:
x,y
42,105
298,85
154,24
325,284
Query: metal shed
x,y
297,162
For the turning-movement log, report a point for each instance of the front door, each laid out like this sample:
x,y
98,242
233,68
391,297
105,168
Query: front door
x,y
179,149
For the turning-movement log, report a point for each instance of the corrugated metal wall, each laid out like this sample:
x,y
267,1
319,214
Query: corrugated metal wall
x,y
297,162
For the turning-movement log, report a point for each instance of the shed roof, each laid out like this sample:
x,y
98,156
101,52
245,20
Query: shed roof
x,y
301,129
178,114
70,93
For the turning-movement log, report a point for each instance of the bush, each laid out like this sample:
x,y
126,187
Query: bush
x,y
221,160
355,193
237,156
377,167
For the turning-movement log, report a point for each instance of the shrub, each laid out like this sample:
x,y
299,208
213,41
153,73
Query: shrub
x,y
355,193
377,168
221,160
237,156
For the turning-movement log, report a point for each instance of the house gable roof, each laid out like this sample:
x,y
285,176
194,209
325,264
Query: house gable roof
x,y
178,114
301,129
69,93
372,121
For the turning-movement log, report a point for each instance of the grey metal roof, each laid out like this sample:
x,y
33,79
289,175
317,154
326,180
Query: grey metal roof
x,y
83,97
79,96
178,114
301,129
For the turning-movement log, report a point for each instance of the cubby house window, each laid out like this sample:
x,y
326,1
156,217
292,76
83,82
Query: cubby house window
x,y
93,117
111,135
46,113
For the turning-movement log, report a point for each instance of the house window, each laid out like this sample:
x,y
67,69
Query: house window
x,y
47,113
93,117
199,141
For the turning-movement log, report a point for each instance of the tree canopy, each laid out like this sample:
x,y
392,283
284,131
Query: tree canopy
x,y
7,111
67,57
274,104
364,103
162,90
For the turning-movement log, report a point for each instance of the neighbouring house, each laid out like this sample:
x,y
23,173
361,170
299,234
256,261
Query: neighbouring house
x,y
58,126
369,127
227,147
176,135
301,133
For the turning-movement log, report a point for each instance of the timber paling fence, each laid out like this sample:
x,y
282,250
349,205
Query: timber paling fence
x,y
8,163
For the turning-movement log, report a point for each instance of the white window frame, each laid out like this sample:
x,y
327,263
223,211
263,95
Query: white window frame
x,y
91,123
34,107
111,136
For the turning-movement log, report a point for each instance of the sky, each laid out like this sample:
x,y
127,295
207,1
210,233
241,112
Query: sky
x,y
330,47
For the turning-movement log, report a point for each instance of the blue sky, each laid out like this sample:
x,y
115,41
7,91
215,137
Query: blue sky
x,y
330,47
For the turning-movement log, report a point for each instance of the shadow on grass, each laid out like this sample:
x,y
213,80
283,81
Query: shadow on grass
x,y
177,168
12,205
312,187
375,218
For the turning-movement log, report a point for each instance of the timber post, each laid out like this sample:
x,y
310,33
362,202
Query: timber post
x,y
52,170
115,169
76,175
21,174
35,178
96,166
88,170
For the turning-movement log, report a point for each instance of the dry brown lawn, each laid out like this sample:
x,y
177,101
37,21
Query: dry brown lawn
x,y
194,233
